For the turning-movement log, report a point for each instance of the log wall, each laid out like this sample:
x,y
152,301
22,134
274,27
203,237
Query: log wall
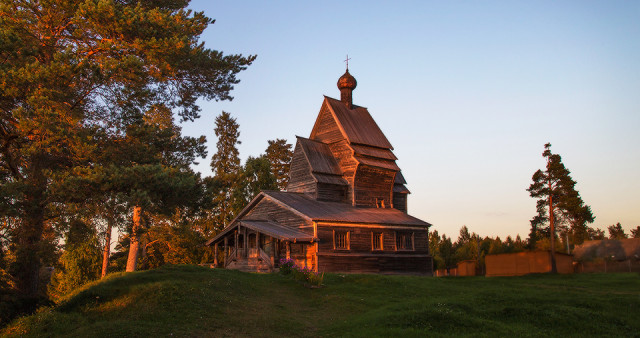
x,y
300,178
373,184
362,258
267,210
326,129
344,156
400,201
332,192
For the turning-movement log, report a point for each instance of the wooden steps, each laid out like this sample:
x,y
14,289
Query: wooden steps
x,y
250,265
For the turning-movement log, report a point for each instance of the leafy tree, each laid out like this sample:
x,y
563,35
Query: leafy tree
x,y
279,154
79,262
467,245
447,252
172,240
254,177
558,202
226,168
635,232
73,70
616,231
434,250
595,233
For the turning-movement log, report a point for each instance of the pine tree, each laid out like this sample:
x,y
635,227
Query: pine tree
x,y
558,202
254,177
616,231
635,233
226,168
279,154
74,71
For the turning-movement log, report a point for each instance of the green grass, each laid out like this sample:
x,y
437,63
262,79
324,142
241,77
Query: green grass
x,y
194,301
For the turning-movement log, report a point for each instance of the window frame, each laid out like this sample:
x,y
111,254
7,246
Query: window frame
x,y
409,235
346,238
380,243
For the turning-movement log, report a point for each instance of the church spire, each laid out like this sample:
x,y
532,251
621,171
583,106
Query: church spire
x,y
347,83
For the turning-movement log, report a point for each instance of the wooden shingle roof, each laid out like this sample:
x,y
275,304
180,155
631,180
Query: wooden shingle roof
x,y
272,229
324,167
357,125
320,157
376,162
317,211
373,152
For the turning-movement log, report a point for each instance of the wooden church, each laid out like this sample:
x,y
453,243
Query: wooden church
x,y
345,207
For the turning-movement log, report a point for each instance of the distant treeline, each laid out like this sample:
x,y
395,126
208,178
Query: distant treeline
x,y
471,246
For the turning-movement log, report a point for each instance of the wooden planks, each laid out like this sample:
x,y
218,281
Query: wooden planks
x,y
300,178
267,210
373,187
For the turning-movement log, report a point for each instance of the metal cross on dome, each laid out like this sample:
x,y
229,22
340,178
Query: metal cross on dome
x,y
347,61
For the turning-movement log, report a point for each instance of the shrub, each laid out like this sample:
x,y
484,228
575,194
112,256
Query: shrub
x,y
286,266
303,274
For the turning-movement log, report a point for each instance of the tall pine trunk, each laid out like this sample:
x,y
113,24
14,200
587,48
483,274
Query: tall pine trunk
x,y
107,246
30,234
134,238
552,229
27,253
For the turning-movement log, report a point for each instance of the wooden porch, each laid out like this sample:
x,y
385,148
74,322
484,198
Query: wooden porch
x,y
257,246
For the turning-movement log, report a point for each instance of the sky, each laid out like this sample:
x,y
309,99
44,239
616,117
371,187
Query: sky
x,y
467,92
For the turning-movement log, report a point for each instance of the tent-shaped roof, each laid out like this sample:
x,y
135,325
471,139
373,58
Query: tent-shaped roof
x,y
357,125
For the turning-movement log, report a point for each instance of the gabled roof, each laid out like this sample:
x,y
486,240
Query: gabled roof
x,y
319,156
398,184
376,162
616,249
400,178
324,167
373,152
318,211
272,229
357,125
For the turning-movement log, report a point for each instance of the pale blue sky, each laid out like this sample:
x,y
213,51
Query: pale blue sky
x,y
467,92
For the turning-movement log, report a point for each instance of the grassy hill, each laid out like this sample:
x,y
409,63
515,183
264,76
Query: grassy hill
x,y
196,301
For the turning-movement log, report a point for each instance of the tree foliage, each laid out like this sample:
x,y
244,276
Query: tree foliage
x,y
558,205
279,155
225,164
74,73
79,262
616,231
447,253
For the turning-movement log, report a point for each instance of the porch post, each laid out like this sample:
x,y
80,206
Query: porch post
x,y
226,251
274,247
258,242
236,244
215,255
245,242
288,249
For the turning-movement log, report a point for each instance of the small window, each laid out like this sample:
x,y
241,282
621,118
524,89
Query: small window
x,y
376,241
341,240
404,241
379,203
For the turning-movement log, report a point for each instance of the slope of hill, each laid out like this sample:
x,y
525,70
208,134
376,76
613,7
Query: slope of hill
x,y
196,301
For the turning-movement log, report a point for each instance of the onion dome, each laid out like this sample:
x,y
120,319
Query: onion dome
x,y
347,81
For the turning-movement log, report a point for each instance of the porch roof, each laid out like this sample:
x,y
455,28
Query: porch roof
x,y
269,228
